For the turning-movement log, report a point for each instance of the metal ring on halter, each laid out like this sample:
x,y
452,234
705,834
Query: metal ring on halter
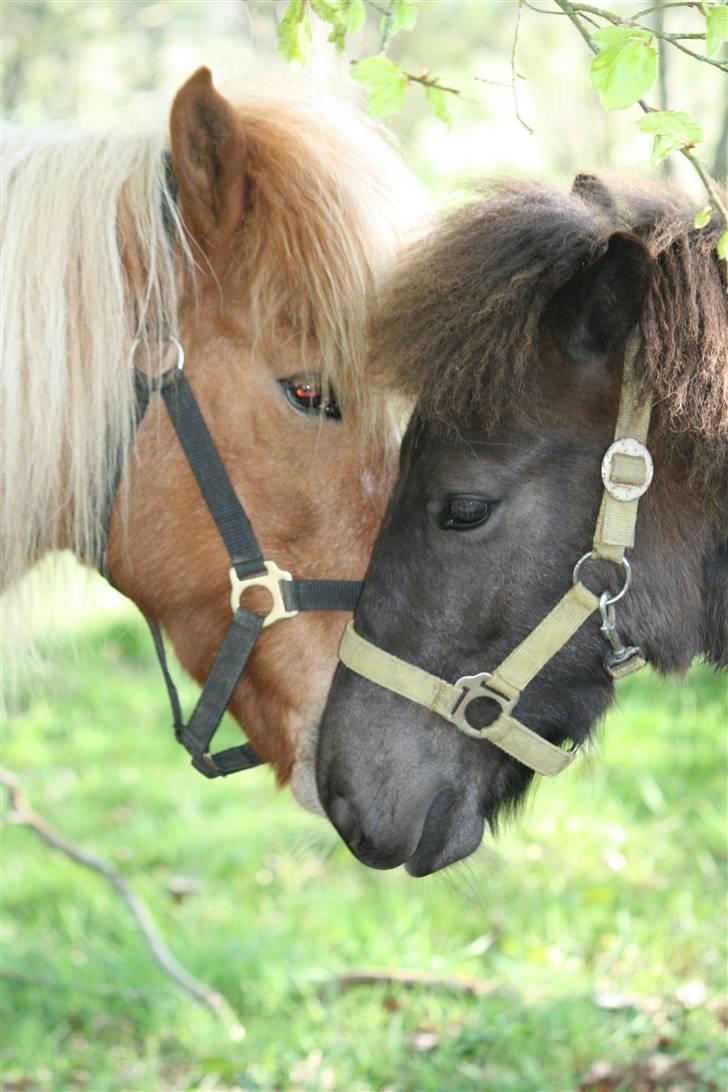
x,y
173,340
627,576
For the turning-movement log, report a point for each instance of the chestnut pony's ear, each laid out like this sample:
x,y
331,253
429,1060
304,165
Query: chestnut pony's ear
x,y
208,158
596,309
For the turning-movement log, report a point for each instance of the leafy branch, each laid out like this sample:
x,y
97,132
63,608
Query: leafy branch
x,y
625,67
665,36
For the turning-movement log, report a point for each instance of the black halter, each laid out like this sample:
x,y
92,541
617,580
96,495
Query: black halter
x,y
249,569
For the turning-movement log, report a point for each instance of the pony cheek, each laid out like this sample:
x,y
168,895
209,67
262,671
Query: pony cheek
x,y
281,697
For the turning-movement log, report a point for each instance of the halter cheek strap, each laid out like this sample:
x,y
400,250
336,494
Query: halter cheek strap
x,y
626,474
249,569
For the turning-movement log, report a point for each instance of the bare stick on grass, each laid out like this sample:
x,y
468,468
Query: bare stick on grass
x,y
21,814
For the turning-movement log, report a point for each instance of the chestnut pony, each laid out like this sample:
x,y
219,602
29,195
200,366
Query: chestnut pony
x,y
252,232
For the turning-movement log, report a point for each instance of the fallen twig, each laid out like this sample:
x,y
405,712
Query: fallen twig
x,y
21,814
474,987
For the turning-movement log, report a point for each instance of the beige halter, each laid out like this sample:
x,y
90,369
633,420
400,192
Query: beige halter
x,y
626,474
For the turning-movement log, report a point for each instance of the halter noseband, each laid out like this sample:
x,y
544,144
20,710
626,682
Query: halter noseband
x,y
626,474
249,569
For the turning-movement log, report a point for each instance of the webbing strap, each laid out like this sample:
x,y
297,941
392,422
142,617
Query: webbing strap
x,y
617,518
229,664
520,742
405,679
551,634
321,594
418,685
215,486
197,735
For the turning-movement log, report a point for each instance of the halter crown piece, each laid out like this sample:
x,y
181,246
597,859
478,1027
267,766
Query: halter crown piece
x,y
626,474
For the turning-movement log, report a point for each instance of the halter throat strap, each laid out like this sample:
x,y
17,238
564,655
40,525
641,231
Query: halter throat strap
x,y
626,474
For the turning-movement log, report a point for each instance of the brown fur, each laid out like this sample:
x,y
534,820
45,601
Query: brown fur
x,y
288,232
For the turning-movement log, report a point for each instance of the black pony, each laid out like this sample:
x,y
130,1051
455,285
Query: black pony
x,y
508,328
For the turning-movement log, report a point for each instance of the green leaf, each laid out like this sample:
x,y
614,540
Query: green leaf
x,y
702,218
294,32
356,16
611,36
625,70
330,11
716,27
723,246
386,83
438,100
672,129
345,17
403,15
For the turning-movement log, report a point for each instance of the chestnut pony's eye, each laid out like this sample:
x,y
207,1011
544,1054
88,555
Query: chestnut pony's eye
x,y
306,393
464,511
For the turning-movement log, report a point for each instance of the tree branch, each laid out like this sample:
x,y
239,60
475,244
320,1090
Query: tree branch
x,y
674,39
431,81
475,987
662,6
714,196
21,814
514,69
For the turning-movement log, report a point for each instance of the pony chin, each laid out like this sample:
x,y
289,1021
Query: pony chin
x,y
303,778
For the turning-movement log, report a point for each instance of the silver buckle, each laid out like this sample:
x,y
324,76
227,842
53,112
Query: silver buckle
x,y
473,687
272,582
626,491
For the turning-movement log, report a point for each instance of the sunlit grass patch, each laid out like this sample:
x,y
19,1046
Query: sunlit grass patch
x,y
594,926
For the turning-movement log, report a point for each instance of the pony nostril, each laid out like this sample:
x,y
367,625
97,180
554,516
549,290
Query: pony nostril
x,y
344,818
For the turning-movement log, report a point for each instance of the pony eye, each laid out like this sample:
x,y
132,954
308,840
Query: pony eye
x,y
464,511
306,393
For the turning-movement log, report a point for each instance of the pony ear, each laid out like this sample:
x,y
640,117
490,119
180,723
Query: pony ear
x,y
592,190
597,308
208,158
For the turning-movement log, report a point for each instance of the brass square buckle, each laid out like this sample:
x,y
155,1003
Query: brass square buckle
x,y
626,453
474,687
272,582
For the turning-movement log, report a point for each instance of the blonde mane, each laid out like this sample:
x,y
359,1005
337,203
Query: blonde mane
x,y
93,256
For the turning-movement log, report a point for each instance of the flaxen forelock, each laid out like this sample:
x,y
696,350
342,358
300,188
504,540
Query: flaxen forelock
x,y
94,251
458,326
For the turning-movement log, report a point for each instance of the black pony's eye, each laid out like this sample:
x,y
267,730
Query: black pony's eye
x,y
464,511
307,394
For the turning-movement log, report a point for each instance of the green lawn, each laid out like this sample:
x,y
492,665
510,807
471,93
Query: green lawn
x,y
597,924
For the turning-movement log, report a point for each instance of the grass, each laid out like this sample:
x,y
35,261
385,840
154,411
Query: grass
x,y
596,923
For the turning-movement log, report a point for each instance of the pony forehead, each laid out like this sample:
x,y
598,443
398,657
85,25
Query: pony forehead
x,y
458,326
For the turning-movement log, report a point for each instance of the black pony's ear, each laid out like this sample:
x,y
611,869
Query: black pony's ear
x,y
596,193
597,308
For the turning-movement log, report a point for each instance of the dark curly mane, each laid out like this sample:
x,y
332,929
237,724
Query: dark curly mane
x,y
458,326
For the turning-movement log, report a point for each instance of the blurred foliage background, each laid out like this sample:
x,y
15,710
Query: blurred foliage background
x,y
94,62
594,930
